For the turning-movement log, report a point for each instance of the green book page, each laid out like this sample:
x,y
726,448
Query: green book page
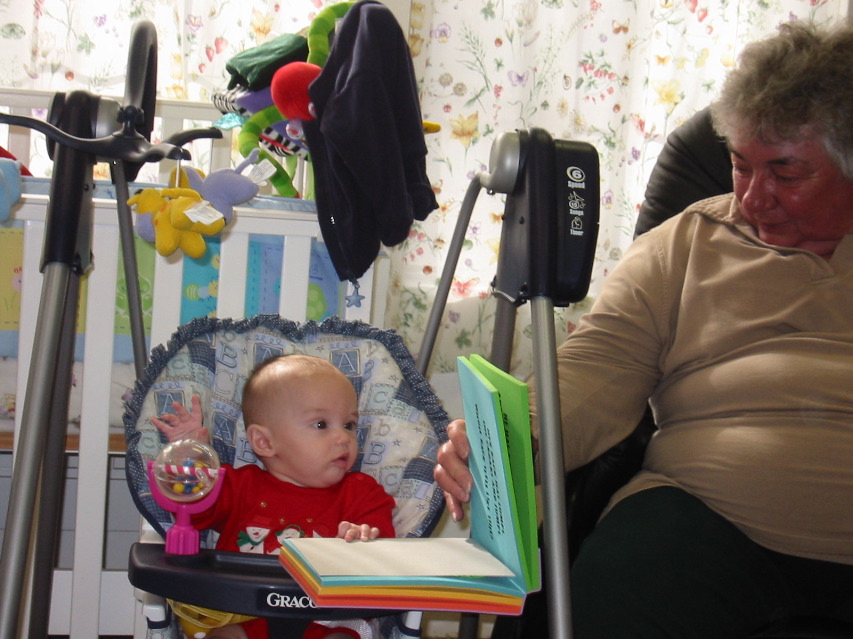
x,y
515,411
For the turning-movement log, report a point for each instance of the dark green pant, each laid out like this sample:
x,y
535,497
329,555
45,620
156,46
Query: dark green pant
x,y
663,565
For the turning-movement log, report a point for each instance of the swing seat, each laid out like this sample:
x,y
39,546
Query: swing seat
x,y
401,426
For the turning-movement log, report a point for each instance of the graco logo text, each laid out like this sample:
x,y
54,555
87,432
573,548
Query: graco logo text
x,y
277,600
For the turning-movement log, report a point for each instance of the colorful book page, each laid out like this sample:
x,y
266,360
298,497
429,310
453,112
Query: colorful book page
x,y
492,502
439,557
515,409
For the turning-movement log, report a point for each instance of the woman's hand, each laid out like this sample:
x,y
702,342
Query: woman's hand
x,y
183,424
355,532
452,472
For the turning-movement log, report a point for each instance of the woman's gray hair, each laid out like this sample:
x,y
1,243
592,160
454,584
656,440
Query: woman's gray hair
x,y
797,83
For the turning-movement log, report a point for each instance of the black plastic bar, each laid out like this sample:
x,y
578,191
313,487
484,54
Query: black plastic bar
x,y
243,583
540,201
513,269
141,84
69,210
577,185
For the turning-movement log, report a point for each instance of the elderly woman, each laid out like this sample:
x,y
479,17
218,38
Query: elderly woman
x,y
734,320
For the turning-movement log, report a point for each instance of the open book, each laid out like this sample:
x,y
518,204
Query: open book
x,y
491,572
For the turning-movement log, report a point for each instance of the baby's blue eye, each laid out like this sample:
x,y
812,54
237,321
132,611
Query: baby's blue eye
x,y
321,425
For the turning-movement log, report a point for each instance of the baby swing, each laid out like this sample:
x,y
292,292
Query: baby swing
x,y
524,165
76,122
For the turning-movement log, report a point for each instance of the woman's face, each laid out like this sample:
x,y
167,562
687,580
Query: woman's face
x,y
792,194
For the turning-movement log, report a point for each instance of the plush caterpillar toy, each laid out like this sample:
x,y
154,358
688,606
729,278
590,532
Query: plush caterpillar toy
x,y
261,125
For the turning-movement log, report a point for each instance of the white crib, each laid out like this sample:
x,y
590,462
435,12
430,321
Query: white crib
x,y
88,600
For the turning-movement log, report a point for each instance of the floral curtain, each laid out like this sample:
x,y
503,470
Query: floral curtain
x,y
619,74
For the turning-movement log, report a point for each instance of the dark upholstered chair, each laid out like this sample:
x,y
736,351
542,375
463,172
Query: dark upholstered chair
x,y
694,164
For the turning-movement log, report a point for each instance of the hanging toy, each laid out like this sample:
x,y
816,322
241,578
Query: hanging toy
x,y
198,206
289,90
179,218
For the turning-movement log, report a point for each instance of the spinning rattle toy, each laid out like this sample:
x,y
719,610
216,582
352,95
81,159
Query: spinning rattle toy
x,y
185,479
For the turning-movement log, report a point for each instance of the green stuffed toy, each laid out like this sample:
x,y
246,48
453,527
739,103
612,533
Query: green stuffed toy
x,y
248,141
321,28
255,69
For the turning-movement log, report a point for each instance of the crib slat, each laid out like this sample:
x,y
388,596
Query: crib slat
x,y
381,280
22,102
220,152
94,432
166,306
233,261
174,115
293,295
19,139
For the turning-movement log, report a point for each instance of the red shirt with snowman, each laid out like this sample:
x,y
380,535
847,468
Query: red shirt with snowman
x,y
256,511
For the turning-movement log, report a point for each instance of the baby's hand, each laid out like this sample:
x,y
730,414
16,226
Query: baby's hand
x,y
356,532
183,424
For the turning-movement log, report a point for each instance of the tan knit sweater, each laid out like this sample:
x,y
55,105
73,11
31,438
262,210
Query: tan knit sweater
x,y
746,354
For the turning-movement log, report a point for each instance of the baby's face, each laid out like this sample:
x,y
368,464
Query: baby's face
x,y
314,429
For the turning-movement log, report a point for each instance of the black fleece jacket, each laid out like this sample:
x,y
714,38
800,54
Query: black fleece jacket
x,y
367,142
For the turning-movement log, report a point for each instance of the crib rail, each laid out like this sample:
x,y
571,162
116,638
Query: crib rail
x,y
76,611
171,116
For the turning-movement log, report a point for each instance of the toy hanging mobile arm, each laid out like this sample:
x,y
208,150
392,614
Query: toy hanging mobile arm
x,y
81,129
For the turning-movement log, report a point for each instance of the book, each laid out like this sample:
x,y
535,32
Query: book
x,y
490,572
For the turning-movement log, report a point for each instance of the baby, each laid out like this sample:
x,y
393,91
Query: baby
x,y
301,415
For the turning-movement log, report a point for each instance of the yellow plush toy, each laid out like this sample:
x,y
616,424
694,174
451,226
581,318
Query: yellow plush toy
x,y
179,217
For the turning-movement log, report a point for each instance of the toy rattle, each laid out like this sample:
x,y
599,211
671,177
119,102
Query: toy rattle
x,y
185,479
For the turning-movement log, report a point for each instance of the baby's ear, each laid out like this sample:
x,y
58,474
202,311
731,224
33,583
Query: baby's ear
x,y
259,440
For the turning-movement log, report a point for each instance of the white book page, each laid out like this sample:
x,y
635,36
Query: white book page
x,y
430,557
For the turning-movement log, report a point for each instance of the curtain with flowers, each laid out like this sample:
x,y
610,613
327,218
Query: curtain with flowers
x,y
619,74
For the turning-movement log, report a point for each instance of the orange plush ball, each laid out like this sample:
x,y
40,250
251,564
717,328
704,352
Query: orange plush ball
x,y
289,89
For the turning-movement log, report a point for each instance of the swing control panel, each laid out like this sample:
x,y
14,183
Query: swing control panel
x,y
578,198
550,223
